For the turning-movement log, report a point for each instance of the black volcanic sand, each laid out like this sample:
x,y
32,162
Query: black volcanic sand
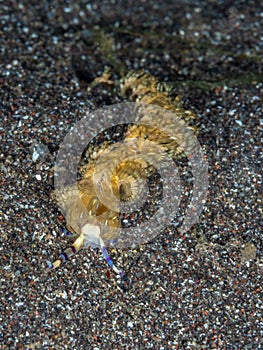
x,y
197,290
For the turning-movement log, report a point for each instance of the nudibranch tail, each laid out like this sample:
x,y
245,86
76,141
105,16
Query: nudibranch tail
x,y
72,250
76,246
107,257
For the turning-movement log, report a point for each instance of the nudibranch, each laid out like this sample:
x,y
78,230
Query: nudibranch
x,y
82,205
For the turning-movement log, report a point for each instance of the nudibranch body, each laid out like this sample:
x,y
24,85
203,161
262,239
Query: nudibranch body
x,y
94,223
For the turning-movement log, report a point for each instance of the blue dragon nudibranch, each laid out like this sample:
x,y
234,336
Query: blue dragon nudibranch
x,y
123,179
